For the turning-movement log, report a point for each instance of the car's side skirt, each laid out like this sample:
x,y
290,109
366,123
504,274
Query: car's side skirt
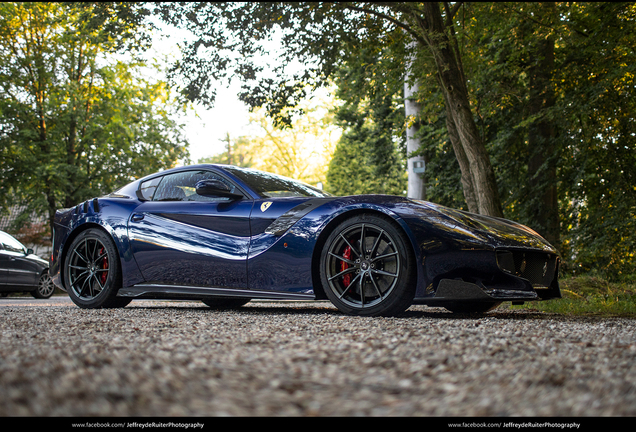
x,y
147,290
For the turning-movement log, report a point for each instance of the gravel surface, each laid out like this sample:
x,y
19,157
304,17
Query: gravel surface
x,y
156,358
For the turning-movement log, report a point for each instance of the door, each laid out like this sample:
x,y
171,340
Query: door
x,y
15,268
4,266
181,238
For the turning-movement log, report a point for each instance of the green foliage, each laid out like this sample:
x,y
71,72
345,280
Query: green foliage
x,y
592,148
74,122
301,152
551,89
229,38
591,296
354,167
239,153
368,158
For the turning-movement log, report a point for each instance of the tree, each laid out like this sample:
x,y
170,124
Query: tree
x,y
354,169
369,157
239,153
75,123
322,36
542,91
553,86
301,152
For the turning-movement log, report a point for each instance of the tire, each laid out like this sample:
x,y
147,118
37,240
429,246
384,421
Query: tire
x,y
474,307
367,267
45,287
92,274
225,303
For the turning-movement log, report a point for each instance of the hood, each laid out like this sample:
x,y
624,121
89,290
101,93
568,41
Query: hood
x,y
495,231
37,259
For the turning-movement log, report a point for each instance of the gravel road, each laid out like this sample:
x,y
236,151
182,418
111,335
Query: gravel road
x,y
157,358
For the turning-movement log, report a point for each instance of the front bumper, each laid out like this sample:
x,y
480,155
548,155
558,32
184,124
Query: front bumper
x,y
503,275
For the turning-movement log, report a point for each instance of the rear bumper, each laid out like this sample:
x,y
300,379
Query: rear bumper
x,y
60,233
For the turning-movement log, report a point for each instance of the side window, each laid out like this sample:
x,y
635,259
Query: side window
x,y
148,188
181,187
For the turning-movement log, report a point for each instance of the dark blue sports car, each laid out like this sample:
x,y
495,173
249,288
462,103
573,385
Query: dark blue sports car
x,y
225,235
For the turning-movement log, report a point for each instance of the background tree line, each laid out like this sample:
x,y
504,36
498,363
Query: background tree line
x,y
78,119
526,109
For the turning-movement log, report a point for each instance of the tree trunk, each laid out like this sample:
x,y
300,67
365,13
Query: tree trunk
x,y
464,165
458,109
416,180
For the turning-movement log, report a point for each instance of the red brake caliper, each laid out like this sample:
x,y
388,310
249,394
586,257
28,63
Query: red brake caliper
x,y
104,275
346,279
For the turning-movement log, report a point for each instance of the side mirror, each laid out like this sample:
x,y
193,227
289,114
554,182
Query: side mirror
x,y
215,188
29,251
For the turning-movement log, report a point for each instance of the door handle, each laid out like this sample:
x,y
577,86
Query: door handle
x,y
137,217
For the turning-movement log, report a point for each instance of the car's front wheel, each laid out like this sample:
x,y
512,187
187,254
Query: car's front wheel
x,y
367,267
92,274
45,287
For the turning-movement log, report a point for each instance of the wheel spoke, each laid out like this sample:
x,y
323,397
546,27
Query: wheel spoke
x,y
101,287
376,243
350,285
342,273
362,241
349,244
361,283
375,285
77,277
383,273
105,254
384,256
86,249
81,256
80,294
341,258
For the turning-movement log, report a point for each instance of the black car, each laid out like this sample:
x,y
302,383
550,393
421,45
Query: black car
x,y
21,270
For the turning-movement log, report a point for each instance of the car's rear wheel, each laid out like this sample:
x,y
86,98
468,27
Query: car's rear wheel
x,y
45,287
367,267
92,274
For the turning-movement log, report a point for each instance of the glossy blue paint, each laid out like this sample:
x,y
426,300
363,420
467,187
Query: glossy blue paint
x,y
192,243
240,245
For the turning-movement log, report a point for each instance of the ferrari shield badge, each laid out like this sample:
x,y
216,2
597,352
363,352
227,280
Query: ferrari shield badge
x,y
265,205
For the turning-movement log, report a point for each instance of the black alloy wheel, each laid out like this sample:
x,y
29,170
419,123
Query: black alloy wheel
x,y
91,271
367,267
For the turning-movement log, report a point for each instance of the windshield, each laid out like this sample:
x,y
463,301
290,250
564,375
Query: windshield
x,y
11,244
270,185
